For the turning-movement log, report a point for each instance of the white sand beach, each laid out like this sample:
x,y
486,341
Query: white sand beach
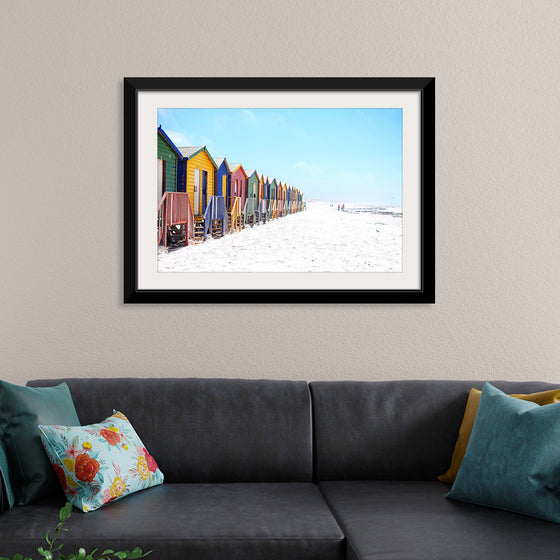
x,y
321,239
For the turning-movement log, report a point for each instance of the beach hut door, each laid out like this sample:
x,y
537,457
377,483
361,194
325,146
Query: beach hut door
x,y
204,187
196,192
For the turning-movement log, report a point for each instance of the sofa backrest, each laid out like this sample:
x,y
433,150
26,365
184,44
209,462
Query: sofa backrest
x,y
399,430
208,430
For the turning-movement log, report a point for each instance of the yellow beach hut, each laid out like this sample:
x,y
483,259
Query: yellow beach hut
x,y
196,175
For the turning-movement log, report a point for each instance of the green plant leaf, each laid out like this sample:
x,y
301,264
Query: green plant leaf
x,y
46,554
64,514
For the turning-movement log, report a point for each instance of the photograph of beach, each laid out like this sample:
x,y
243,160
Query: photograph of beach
x,y
280,190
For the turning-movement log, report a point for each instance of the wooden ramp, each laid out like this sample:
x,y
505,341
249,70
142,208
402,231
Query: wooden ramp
x,y
175,218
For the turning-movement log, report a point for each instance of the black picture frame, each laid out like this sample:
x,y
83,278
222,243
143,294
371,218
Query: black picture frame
x,y
425,293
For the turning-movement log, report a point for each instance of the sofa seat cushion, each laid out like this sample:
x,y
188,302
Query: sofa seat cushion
x,y
411,520
192,521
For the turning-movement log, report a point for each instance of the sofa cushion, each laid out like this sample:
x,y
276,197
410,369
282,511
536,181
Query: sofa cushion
x,y
399,430
100,463
513,457
410,520
276,521
21,410
7,496
209,430
541,398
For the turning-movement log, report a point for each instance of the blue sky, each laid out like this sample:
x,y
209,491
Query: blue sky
x,y
335,155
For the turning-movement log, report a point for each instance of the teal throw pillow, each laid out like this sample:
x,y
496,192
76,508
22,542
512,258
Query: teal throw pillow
x,y
21,410
99,463
7,498
513,457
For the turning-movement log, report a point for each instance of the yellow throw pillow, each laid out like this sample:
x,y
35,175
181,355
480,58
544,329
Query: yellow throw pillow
x,y
541,398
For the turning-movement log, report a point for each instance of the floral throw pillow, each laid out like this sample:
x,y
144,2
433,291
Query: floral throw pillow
x,y
99,463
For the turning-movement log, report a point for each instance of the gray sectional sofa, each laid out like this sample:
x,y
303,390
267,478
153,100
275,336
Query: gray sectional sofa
x,y
285,470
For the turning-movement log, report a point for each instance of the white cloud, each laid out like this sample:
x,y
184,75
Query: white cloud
x,y
248,116
179,138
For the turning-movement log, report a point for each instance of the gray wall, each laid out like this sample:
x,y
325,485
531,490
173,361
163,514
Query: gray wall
x,y
498,195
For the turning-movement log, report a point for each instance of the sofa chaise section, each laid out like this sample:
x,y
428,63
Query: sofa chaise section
x,y
379,448
411,520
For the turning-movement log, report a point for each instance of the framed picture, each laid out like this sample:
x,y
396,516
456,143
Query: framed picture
x,y
279,190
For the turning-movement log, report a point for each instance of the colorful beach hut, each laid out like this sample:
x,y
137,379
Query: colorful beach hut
x,y
238,182
261,200
260,192
280,199
273,193
223,177
196,175
251,202
167,156
238,195
175,222
215,214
